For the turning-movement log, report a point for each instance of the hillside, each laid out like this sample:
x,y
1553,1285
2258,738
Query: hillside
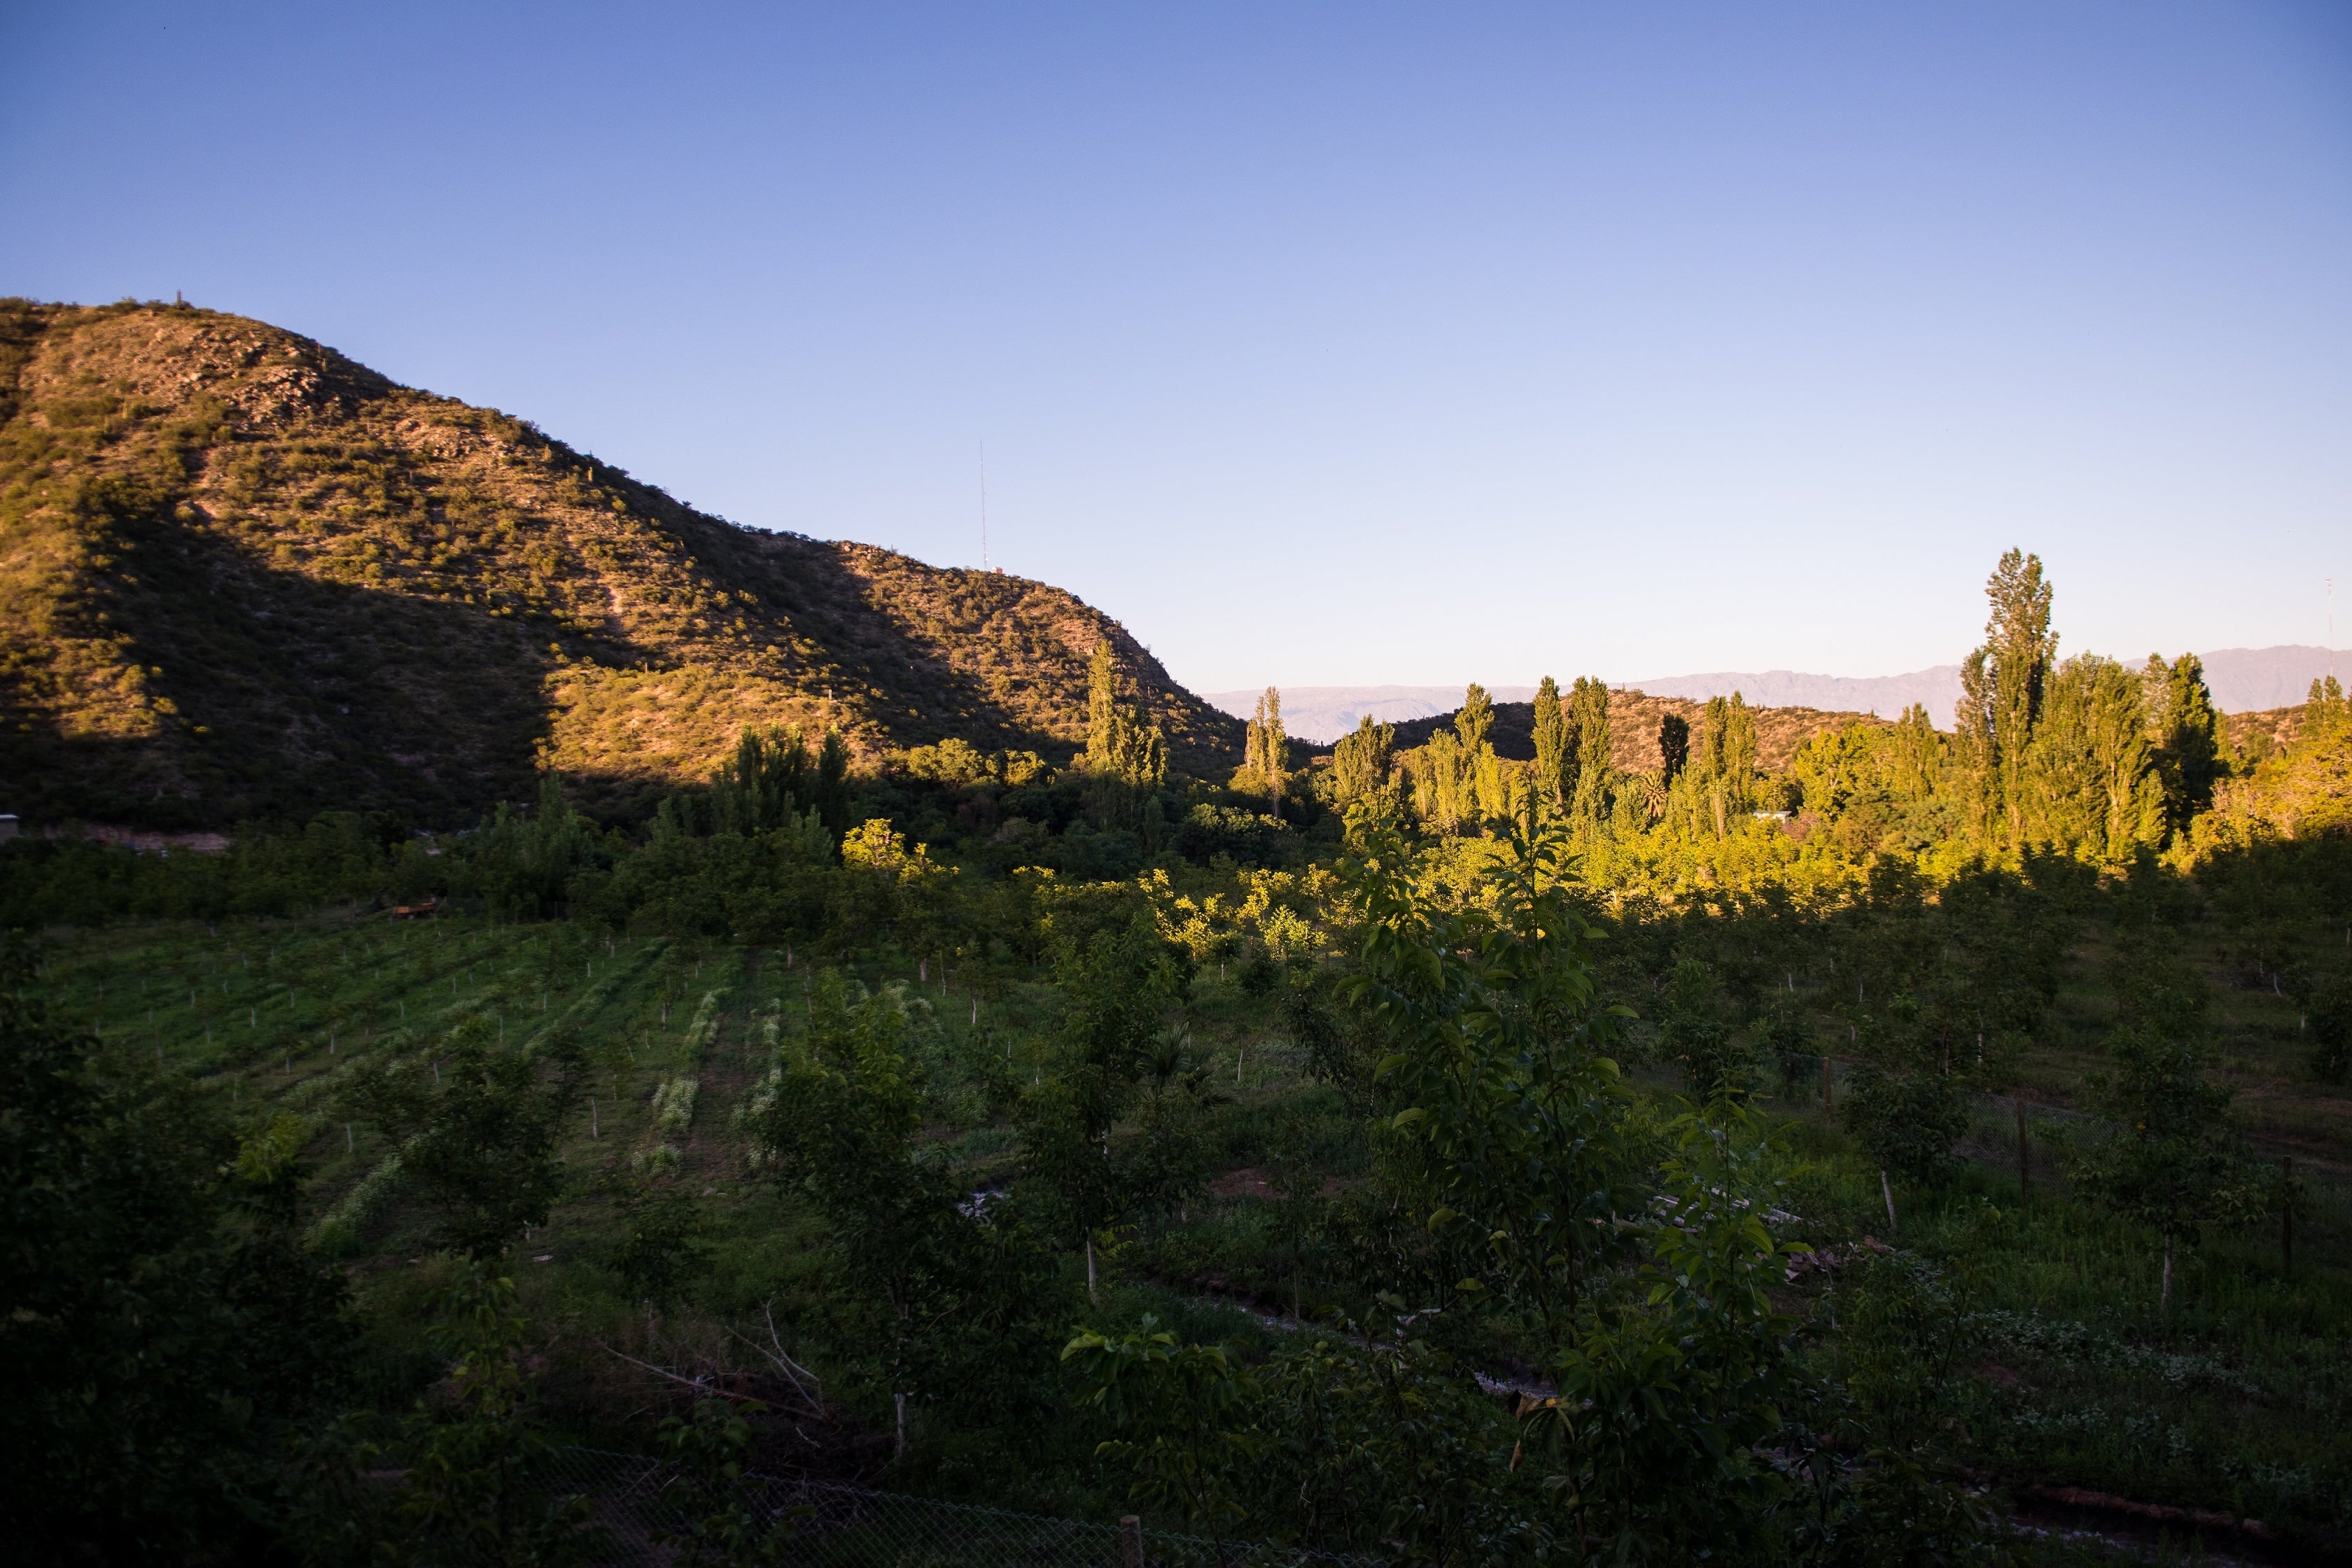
x,y
241,575
1634,729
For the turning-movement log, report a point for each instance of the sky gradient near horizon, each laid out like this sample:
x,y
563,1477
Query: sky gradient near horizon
x,y
1320,344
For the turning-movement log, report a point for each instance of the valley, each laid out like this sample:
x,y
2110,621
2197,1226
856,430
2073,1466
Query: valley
x,y
759,1014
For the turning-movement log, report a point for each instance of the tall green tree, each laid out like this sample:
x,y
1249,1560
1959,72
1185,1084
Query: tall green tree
x,y
1361,761
1122,742
1915,756
2091,782
833,785
766,785
1448,782
1555,750
1674,747
1596,776
2187,729
521,865
1725,772
2002,685
1476,718
1269,749
1481,786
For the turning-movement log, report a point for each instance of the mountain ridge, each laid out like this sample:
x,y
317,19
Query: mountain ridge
x,y
242,575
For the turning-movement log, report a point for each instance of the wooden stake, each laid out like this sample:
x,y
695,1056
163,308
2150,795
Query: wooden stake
x,y
2286,1222
2024,1166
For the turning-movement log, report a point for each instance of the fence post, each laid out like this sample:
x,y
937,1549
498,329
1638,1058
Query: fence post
x,y
2286,1222
2024,1169
1130,1541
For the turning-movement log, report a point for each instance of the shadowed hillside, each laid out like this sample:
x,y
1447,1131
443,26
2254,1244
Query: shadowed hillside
x,y
242,575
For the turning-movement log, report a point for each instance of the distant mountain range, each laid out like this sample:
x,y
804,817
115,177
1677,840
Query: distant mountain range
x,y
2243,681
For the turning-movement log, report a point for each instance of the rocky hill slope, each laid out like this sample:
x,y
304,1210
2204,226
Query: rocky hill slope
x,y
241,575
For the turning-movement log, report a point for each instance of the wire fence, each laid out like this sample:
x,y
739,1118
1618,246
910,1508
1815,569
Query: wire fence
x,y
635,1501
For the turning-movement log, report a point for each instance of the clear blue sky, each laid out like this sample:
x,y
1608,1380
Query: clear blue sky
x,y
1320,344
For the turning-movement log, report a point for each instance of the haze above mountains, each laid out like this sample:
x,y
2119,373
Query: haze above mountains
x,y
2243,681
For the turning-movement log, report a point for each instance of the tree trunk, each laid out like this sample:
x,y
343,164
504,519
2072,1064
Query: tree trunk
x,y
1887,1189
1090,1265
899,1450
2165,1300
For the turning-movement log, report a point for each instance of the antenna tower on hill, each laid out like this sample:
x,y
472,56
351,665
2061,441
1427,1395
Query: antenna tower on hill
x,y
984,506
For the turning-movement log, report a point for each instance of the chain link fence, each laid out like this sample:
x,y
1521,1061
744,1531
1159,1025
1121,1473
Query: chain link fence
x,y
634,1499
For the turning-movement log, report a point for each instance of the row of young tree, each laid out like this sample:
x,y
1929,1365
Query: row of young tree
x,y
2082,757
1517,1193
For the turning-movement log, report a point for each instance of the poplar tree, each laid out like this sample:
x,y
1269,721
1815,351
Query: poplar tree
x,y
1123,744
1268,748
2001,689
768,782
833,785
1102,708
1448,770
1739,753
1726,772
1360,762
1554,753
1493,783
2091,783
1588,715
1475,719
1674,747
1915,755
2188,733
